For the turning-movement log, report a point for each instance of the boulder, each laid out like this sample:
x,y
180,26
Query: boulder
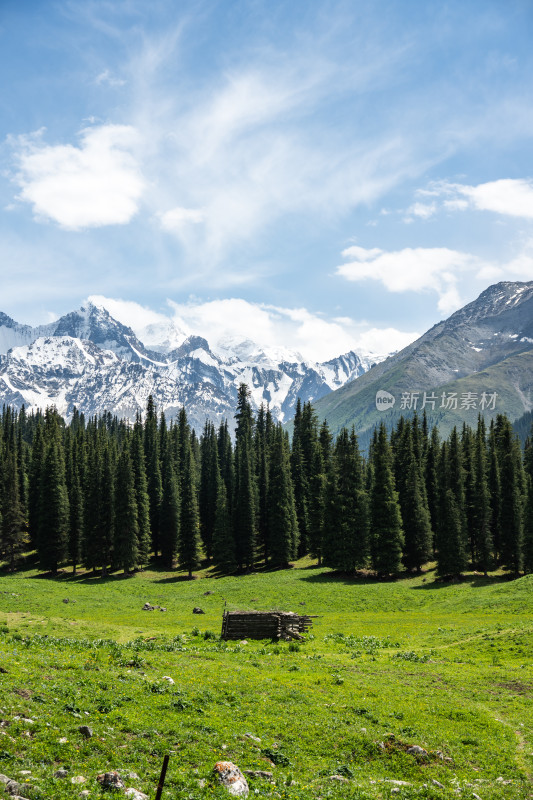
x,y
148,607
259,773
110,780
416,750
85,731
197,610
135,794
231,778
13,788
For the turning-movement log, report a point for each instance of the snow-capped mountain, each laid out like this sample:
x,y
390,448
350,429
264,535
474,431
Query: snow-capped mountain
x,y
90,361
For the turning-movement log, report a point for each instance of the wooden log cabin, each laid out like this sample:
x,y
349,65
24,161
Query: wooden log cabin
x,y
265,625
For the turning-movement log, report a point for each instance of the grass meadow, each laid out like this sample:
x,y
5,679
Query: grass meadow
x,y
447,667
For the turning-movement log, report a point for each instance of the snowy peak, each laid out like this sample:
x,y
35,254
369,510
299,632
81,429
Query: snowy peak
x,y
95,324
497,301
90,360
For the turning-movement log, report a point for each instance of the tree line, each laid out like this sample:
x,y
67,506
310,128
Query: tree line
x,y
108,495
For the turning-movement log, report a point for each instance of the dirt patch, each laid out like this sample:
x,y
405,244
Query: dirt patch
x,y
25,693
516,686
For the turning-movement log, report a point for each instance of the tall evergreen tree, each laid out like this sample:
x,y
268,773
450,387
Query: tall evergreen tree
x,y
347,546
223,540
494,485
12,523
414,510
189,534
141,494
153,465
481,511
209,477
282,520
432,481
451,539
169,523
511,508
126,525
245,498
386,515
54,510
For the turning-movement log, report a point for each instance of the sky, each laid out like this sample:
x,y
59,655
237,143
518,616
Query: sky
x,y
316,175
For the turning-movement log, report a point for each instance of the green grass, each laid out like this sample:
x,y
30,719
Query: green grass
x,y
388,665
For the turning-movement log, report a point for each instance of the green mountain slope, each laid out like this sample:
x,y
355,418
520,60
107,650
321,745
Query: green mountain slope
x,y
485,347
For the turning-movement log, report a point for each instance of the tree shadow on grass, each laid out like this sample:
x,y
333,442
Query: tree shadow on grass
x,y
475,581
345,578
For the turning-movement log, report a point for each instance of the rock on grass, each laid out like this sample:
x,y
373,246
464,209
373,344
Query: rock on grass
x,y
231,778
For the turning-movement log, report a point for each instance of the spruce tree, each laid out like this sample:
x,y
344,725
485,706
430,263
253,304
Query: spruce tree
x,y
481,511
494,486
209,477
282,520
415,515
34,483
386,515
12,523
245,498
223,540
317,504
169,521
511,481
262,445
451,539
348,545
75,499
54,510
189,534
153,469
141,494
126,525
432,482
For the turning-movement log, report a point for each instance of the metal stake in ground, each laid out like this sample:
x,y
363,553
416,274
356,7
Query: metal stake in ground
x,y
162,778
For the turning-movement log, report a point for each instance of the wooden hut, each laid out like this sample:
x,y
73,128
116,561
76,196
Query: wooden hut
x,y
264,625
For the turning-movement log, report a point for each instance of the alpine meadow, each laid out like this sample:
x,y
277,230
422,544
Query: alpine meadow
x,y
266,400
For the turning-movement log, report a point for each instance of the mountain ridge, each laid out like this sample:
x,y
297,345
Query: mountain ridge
x,y
90,360
495,327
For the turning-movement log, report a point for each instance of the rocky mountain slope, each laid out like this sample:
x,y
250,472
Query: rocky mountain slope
x,y
90,361
480,359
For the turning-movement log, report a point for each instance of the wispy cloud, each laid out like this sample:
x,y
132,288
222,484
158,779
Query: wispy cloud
x,y
107,78
511,197
233,321
420,269
91,185
439,270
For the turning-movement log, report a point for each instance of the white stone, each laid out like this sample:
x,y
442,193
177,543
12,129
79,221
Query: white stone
x,y
231,778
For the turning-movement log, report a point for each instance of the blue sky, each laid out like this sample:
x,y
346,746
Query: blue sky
x,y
320,175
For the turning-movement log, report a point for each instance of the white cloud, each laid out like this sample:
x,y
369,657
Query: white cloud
x,y
106,77
176,218
98,183
422,210
279,331
412,269
507,196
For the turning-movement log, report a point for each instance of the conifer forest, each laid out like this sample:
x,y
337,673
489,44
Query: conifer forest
x,y
107,495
